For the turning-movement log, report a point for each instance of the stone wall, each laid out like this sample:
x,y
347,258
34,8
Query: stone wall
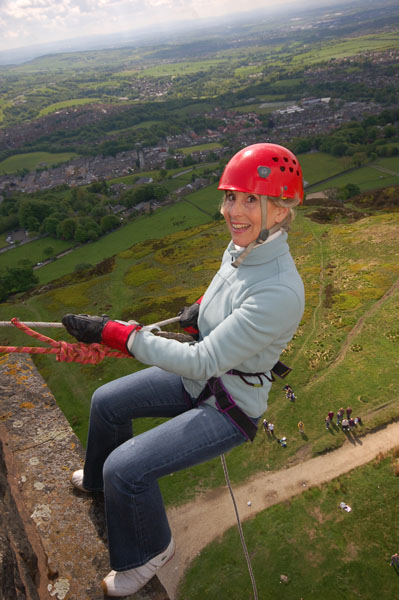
x,y
52,537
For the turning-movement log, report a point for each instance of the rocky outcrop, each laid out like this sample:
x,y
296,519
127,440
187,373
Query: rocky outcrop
x,y
52,537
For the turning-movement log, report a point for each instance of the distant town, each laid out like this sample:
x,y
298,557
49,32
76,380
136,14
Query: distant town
x,y
309,116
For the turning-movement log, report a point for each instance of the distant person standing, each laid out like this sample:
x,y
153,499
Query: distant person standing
x,y
345,424
330,415
348,412
301,427
340,415
265,425
288,390
395,562
327,422
271,428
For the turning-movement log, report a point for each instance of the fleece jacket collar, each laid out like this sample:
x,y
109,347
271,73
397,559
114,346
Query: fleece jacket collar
x,y
263,253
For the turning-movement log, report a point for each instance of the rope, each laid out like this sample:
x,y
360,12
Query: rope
x,y
244,546
65,352
45,324
86,354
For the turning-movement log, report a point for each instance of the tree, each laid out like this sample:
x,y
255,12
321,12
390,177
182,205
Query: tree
x,y
188,161
109,222
82,267
302,146
389,131
16,279
348,191
97,212
49,251
359,159
8,223
98,187
87,230
49,226
66,229
171,163
339,149
31,213
162,174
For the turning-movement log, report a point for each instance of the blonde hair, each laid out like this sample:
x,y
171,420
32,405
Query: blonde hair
x,y
289,203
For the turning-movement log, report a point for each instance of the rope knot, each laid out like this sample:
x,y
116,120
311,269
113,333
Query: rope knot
x,y
86,354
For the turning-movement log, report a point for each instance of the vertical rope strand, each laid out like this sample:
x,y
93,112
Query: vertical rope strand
x,y
251,573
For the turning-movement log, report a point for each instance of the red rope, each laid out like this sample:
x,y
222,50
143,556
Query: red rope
x,y
87,354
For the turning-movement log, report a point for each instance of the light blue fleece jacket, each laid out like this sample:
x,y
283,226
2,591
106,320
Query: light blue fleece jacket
x,y
247,317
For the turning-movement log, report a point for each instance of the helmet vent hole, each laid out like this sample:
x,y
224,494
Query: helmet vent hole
x,y
294,161
291,170
297,173
282,169
275,158
286,159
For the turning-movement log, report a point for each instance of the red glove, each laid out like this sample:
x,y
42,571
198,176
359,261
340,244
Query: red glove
x,y
116,335
90,330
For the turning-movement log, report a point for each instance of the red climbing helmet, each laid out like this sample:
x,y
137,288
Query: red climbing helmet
x,y
264,169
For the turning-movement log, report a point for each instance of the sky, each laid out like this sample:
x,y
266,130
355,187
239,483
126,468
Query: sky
x,y
28,22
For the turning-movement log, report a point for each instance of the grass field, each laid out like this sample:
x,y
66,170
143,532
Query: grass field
x,y
181,68
286,83
144,125
33,160
367,178
324,551
349,47
200,147
317,166
33,252
247,70
66,104
263,107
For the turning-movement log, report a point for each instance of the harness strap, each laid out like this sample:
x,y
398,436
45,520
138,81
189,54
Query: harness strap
x,y
226,405
225,402
279,369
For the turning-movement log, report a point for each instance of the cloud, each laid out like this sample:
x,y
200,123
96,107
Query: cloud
x,y
26,22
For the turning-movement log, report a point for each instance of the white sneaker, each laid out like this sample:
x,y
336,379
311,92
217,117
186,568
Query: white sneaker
x,y
77,480
124,583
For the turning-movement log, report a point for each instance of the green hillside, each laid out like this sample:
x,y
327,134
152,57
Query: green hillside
x,y
347,270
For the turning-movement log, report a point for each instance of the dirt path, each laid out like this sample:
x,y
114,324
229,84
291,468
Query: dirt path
x,y
196,524
384,170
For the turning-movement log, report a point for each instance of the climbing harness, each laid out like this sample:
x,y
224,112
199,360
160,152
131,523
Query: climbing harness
x,y
226,404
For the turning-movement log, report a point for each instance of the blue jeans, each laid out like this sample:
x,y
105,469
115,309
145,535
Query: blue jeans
x,y
127,468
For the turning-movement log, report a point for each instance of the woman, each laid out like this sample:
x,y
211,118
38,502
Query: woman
x,y
215,390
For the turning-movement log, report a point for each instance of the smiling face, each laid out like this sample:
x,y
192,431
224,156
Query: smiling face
x,y
243,215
